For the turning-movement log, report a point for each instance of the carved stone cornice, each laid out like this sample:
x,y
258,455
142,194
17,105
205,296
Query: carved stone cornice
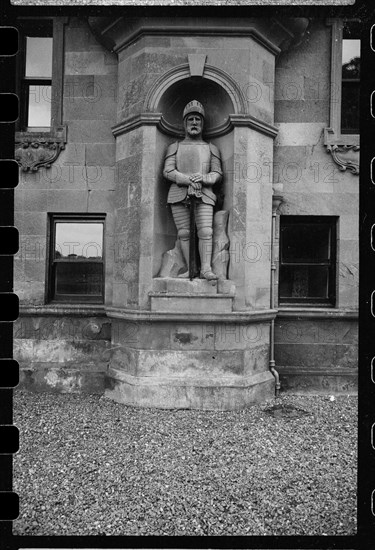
x,y
346,157
36,149
157,119
264,315
277,34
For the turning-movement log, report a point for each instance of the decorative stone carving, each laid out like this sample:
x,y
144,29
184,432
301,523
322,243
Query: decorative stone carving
x,y
220,253
36,149
193,167
196,63
173,263
346,157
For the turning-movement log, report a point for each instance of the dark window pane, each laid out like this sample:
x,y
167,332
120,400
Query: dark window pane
x,y
352,29
350,108
79,240
39,113
305,243
304,282
38,57
76,277
350,82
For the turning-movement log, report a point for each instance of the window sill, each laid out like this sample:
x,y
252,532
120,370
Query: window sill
x,y
331,138
36,149
317,312
59,309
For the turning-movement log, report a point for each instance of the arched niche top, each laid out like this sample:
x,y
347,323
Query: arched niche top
x,y
216,90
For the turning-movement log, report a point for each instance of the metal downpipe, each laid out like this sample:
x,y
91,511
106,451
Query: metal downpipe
x,y
276,200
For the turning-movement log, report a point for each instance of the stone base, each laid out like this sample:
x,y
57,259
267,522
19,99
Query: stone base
x,y
62,349
204,394
196,296
318,382
220,365
58,379
175,285
206,303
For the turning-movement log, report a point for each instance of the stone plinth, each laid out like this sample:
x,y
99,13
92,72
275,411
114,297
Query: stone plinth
x,y
198,303
184,286
214,394
183,295
190,360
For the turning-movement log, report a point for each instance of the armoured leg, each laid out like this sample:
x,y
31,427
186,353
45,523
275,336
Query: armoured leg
x,y
181,218
204,219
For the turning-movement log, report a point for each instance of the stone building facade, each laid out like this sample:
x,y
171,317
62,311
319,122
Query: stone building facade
x,y
272,91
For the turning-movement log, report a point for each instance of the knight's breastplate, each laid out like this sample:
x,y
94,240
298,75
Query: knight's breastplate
x,y
193,157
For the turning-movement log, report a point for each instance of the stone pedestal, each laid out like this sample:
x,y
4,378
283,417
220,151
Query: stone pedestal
x,y
196,360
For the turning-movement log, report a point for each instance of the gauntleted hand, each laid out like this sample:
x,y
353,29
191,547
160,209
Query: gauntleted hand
x,y
196,178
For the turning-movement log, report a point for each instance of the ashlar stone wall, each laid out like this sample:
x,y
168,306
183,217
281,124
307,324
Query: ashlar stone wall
x,y
82,180
315,350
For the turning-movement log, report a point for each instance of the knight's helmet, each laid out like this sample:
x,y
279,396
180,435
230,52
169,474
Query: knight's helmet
x,y
193,107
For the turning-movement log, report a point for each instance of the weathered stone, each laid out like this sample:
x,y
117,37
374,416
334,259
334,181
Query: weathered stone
x,y
197,303
213,394
84,109
61,201
49,379
173,263
224,286
100,154
80,38
31,223
175,285
89,63
220,253
91,131
302,111
192,336
78,86
301,381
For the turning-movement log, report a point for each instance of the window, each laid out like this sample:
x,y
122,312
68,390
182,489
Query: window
x,y
76,266
40,134
37,79
343,128
350,78
40,73
307,260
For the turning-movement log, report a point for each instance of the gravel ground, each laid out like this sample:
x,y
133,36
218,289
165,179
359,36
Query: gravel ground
x,y
89,466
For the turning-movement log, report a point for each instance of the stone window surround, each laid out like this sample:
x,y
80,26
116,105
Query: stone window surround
x,y
78,304
36,149
306,306
333,138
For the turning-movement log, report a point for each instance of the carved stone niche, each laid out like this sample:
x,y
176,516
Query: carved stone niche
x,y
36,149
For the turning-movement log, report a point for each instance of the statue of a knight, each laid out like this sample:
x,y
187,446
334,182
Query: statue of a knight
x,y
194,167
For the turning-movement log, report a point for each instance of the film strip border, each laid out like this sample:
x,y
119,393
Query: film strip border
x,y
9,438
9,301
366,429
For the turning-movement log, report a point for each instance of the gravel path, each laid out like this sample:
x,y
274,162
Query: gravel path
x,y
89,466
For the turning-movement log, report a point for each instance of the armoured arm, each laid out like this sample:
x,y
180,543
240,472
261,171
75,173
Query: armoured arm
x,y
215,174
170,171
